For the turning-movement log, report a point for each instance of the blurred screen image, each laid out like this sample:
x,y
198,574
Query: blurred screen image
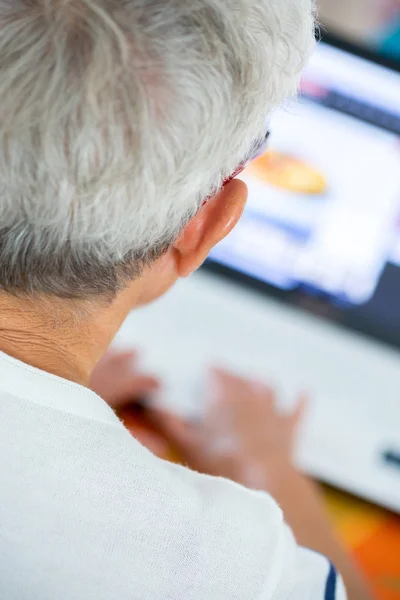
x,y
323,215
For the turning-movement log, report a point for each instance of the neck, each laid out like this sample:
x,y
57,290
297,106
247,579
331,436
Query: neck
x,y
63,337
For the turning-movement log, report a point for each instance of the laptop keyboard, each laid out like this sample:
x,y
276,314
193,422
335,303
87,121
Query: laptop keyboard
x,y
353,384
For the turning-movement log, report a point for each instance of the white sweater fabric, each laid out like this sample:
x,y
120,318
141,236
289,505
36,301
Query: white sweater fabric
x,y
86,513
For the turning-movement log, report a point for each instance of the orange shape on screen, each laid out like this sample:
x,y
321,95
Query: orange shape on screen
x,y
288,172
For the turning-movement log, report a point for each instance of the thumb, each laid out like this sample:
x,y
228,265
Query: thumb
x,y
129,389
178,431
140,386
299,410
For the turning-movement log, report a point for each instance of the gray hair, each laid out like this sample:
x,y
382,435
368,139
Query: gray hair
x,y
119,117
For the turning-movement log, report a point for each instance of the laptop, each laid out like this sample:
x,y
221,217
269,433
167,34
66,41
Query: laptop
x,y
305,293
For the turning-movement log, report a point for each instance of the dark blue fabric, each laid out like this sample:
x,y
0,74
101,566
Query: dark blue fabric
x,y
330,591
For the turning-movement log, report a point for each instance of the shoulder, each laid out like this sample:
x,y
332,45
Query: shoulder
x,y
243,545
243,541
236,534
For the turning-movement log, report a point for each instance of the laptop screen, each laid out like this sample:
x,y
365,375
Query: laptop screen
x,y
322,224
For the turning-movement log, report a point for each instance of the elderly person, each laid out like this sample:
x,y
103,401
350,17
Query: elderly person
x,y
122,123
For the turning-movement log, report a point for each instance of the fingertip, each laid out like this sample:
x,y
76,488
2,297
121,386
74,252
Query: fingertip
x,y
154,443
146,382
154,383
217,372
216,385
264,390
176,429
301,407
124,354
303,400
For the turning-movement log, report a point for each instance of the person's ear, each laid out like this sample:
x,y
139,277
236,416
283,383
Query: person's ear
x,y
213,223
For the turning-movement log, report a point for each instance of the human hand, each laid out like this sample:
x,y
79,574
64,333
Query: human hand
x,y
117,380
242,437
245,438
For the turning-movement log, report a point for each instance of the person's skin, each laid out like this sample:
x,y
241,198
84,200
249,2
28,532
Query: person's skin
x,y
68,339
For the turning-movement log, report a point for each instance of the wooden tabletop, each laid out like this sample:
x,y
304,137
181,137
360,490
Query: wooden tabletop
x,y
373,536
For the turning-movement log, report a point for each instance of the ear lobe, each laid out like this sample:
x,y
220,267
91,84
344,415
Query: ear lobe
x,y
214,221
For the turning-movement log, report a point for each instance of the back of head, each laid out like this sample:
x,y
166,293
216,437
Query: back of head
x,y
119,117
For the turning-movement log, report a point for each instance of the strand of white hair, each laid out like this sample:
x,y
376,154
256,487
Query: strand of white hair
x,y
119,117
